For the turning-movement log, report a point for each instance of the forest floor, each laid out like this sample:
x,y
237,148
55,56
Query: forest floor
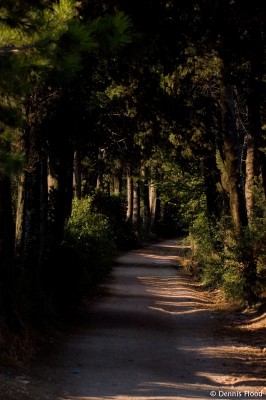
x,y
152,333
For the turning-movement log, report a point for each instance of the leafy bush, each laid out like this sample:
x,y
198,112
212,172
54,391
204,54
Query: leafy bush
x,y
221,256
90,233
233,284
204,239
113,207
86,253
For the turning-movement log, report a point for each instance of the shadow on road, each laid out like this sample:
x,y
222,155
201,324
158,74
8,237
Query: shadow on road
x,y
154,334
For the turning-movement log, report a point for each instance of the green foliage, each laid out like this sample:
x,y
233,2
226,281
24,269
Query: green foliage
x,y
233,284
90,231
182,193
59,38
97,227
64,10
113,207
112,31
42,48
209,262
85,255
10,161
255,236
220,255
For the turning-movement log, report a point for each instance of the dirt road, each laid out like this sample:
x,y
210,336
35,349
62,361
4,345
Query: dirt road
x,y
153,334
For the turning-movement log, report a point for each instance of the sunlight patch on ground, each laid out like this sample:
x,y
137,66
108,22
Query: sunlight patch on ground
x,y
183,297
159,258
176,245
182,391
177,312
254,323
231,350
232,380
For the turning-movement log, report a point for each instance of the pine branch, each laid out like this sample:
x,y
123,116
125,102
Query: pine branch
x,y
18,49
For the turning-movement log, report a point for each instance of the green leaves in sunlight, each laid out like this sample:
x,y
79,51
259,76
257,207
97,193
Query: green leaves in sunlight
x,y
59,38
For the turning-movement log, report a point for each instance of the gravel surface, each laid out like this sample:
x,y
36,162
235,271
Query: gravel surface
x,y
152,334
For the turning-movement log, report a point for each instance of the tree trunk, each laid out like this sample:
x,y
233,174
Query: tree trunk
x,y
153,204
31,227
117,183
77,174
60,189
236,186
232,160
254,136
136,203
20,214
101,168
43,210
250,175
28,227
7,254
129,195
255,99
146,202
262,158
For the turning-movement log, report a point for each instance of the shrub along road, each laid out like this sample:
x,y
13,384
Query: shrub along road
x,y
155,334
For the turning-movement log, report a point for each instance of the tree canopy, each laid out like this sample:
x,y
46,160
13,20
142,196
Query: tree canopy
x,y
140,119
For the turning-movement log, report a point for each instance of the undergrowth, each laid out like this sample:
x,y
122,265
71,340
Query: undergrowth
x,y
218,256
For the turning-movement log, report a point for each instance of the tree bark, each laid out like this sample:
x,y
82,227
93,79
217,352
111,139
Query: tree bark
x,y
77,174
262,158
254,98
254,135
101,167
43,210
60,189
7,254
129,195
236,184
153,204
31,227
250,175
117,183
146,222
20,214
136,203
232,160
28,227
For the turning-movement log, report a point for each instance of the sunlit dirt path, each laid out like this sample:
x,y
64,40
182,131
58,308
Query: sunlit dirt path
x,y
155,335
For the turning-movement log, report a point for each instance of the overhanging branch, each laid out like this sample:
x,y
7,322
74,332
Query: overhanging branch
x,y
17,49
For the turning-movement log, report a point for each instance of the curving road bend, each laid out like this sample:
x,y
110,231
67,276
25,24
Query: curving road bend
x,y
154,334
